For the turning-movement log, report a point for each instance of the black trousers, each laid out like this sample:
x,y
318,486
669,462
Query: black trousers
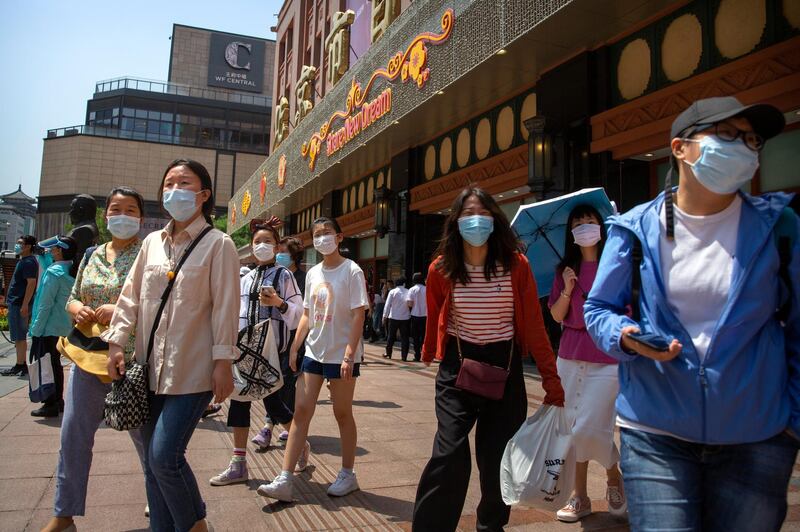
x,y
402,327
418,334
443,486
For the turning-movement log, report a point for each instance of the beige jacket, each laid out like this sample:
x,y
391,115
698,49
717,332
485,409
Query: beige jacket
x,y
200,320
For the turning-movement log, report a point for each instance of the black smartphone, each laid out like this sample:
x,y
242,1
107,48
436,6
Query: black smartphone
x,y
653,341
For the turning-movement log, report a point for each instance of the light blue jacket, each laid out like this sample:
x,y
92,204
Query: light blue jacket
x,y
50,314
747,388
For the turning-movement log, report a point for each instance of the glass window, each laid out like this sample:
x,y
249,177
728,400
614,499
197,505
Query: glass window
x,y
166,116
166,128
92,115
382,247
153,115
153,126
366,248
141,113
127,111
115,111
140,125
245,137
779,162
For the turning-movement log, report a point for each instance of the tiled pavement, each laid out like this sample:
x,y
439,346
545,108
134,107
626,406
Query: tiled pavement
x,y
396,424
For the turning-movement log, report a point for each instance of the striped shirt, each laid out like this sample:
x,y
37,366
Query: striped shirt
x,y
485,309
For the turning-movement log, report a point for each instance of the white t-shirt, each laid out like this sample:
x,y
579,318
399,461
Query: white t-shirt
x,y
330,297
697,267
416,295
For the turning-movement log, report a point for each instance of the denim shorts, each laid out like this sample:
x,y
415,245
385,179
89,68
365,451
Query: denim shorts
x,y
328,371
17,325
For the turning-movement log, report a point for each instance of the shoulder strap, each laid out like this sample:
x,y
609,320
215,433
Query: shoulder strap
x,y
636,278
88,254
277,279
168,289
784,230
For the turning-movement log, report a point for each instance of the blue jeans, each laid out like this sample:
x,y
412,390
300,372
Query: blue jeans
x,y
675,485
83,413
172,492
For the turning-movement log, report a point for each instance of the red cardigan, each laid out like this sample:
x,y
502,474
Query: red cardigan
x,y
529,332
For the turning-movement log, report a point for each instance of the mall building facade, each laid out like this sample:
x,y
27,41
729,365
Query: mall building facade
x,y
214,107
385,110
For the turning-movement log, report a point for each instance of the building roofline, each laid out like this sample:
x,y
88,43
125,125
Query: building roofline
x,y
175,24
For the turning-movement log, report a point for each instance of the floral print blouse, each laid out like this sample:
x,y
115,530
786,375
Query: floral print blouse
x,y
99,282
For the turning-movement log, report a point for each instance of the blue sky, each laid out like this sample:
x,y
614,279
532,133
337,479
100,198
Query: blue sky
x,y
53,52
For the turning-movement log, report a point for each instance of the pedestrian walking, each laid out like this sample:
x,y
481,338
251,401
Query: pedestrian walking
x,y
482,300
588,375
397,319
193,342
708,401
415,299
269,292
19,299
378,303
51,319
335,300
92,301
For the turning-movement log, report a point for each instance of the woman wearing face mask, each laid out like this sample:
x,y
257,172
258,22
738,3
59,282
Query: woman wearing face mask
x,y
50,316
92,300
588,375
335,300
283,305
482,305
194,341
708,409
290,256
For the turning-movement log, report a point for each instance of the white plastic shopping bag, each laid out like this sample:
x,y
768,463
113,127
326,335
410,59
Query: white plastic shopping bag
x,y
538,466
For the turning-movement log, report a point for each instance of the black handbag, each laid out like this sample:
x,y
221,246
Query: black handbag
x,y
127,406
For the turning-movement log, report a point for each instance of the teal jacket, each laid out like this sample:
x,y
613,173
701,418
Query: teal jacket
x,y
50,316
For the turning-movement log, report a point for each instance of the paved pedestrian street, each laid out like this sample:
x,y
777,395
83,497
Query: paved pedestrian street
x,y
396,423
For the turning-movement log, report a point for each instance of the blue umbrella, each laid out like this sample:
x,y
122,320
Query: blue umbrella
x,y
542,227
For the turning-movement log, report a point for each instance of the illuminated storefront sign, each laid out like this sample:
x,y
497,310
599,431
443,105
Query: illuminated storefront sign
x,y
361,120
359,114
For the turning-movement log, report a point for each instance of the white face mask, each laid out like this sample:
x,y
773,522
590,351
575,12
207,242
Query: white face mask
x,y
325,244
123,226
586,235
264,252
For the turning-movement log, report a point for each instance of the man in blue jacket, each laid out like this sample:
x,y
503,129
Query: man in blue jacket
x,y
709,420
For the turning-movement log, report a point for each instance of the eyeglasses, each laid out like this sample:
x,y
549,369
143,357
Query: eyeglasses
x,y
727,132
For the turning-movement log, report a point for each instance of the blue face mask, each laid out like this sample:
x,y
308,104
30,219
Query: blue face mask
x,y
283,259
180,203
17,249
723,167
476,229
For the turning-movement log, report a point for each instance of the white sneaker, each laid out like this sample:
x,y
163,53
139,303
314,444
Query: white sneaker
x,y
280,489
617,504
345,483
575,510
302,462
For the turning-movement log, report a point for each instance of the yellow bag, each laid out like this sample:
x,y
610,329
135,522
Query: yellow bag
x,y
85,348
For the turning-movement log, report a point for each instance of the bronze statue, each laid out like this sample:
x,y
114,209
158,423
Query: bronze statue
x,y
82,213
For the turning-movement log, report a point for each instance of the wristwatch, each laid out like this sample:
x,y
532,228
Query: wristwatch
x,y
283,307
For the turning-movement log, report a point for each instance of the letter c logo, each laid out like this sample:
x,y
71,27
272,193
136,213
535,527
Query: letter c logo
x,y
232,54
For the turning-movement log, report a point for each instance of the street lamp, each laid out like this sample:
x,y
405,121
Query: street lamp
x,y
540,155
384,198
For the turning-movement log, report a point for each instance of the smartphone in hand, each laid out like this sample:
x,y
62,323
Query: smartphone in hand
x,y
267,291
653,341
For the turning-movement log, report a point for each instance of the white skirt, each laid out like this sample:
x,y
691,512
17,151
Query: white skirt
x,y
591,390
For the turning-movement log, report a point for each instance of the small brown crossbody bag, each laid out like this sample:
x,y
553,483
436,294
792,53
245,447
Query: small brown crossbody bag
x,y
479,378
